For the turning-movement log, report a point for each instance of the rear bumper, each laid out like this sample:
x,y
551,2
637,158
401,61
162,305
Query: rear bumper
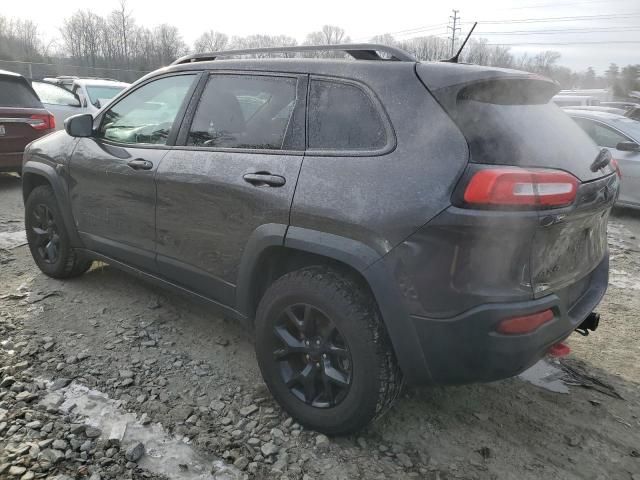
x,y
11,162
466,348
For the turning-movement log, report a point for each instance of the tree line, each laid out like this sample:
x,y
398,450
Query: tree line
x,y
117,41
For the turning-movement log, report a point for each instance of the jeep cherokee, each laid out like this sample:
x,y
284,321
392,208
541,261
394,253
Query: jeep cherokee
x,y
375,221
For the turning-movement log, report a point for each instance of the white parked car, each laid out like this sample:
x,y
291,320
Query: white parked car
x,y
621,136
95,93
59,101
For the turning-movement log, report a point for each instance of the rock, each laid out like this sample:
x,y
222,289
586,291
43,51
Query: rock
x,y
25,396
222,341
126,373
16,470
7,382
77,428
50,456
92,432
59,444
404,460
86,446
217,405
269,449
127,382
180,413
483,417
21,366
28,476
59,383
246,411
35,425
241,463
573,440
322,440
135,452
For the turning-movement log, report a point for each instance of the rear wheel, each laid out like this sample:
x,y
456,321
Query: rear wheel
x,y
324,352
47,236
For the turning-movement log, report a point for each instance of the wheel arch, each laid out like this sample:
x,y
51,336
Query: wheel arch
x,y
35,174
274,250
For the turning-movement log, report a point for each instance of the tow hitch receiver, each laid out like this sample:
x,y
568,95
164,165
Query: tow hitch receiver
x,y
590,323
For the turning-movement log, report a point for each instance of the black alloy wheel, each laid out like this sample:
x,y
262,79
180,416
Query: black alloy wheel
x,y
47,238
314,359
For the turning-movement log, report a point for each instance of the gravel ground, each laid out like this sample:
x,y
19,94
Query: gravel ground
x,y
106,376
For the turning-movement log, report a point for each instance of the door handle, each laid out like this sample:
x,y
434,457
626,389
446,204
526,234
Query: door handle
x,y
264,179
140,164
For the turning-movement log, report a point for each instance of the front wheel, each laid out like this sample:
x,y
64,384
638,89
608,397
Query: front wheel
x,y
48,238
324,352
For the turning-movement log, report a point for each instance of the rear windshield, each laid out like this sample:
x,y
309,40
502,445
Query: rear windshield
x,y
523,128
14,92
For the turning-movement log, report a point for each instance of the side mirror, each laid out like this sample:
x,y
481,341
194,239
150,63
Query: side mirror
x,y
79,125
628,147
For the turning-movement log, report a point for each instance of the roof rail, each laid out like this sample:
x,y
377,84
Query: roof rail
x,y
359,51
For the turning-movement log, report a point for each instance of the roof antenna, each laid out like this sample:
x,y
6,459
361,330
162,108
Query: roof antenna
x,y
454,59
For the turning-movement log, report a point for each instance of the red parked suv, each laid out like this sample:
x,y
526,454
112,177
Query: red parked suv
x,y
22,119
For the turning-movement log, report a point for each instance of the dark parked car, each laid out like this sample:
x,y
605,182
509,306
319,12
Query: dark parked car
x,y
22,119
376,221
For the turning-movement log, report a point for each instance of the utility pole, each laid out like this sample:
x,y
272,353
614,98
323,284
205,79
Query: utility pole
x,y
455,19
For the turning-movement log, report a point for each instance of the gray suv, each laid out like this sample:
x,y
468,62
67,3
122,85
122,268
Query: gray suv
x,y
374,221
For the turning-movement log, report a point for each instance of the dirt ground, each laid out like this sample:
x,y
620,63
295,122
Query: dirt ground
x,y
171,363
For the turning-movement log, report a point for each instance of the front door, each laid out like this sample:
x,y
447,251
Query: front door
x,y
235,171
112,187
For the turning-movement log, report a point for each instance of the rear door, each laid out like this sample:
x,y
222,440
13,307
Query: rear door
x,y
112,187
235,171
57,100
629,162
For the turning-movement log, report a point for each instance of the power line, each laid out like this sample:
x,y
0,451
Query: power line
x,y
526,7
559,19
629,42
568,31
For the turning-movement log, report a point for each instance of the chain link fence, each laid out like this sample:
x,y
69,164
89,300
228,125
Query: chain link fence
x,y
40,70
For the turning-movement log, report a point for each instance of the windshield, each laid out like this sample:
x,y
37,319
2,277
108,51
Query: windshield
x,y
97,92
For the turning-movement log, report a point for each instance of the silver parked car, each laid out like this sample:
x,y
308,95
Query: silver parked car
x,y
59,101
621,136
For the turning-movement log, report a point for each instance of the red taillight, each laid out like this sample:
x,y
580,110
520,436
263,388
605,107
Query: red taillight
x,y
42,121
512,186
524,324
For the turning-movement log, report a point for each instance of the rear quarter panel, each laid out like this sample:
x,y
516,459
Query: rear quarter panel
x,y
381,200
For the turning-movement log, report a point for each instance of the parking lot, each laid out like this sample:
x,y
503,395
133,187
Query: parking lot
x,y
158,360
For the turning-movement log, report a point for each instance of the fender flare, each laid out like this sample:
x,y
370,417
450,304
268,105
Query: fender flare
x,y
50,174
363,259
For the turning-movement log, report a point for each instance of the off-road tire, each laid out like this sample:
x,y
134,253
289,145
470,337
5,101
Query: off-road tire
x,y
68,263
376,379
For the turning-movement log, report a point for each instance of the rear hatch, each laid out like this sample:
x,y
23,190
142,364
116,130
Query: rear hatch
x,y
22,116
509,121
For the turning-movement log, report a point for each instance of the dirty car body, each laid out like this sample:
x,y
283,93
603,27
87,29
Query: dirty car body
x,y
459,195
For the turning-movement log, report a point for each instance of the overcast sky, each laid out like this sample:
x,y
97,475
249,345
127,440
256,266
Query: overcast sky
x,y
362,19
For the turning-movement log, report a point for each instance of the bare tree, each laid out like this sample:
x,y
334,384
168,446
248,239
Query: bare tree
x,y
211,41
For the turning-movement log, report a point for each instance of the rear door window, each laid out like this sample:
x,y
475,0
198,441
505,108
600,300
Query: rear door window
x,y
14,92
244,111
342,116
601,134
54,95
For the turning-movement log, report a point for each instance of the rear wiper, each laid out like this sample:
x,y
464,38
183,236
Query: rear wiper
x,y
602,160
